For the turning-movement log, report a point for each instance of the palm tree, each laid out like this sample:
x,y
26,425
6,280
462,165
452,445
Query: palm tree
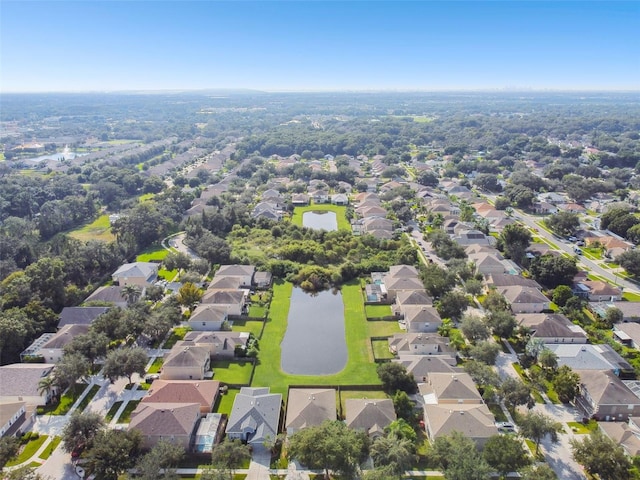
x,y
131,293
46,385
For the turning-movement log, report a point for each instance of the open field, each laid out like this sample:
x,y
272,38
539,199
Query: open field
x,y
99,229
154,253
340,211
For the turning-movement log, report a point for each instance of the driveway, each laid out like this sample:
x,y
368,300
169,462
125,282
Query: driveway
x,y
177,242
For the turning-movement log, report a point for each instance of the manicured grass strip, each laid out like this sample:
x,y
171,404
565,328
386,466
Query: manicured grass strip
x,y
28,451
251,326
360,369
381,349
236,373
156,365
377,311
224,404
88,397
153,253
343,223
582,429
497,412
50,448
126,413
383,328
66,401
99,229
177,333
112,411
631,297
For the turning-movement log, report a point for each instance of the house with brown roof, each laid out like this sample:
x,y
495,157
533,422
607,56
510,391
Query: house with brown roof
x,y
202,392
309,407
525,299
552,327
627,435
186,363
208,317
369,415
421,344
173,422
420,366
610,244
421,319
244,273
455,388
604,396
474,421
597,291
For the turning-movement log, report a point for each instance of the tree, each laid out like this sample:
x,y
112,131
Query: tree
x,y
125,362
403,405
515,239
189,294
566,383
230,455
538,472
92,346
131,293
505,454
393,452
70,369
331,446
436,280
8,449
563,223
81,430
602,456
394,377
502,323
630,261
14,330
164,456
452,304
473,286
552,271
495,302
459,458
486,352
177,261
47,385
502,203
487,181
474,328
482,373
548,359
428,179
561,295
401,429
534,347
114,452
612,316
514,392
535,426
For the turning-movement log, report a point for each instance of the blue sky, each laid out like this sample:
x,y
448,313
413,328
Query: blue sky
x,y
318,45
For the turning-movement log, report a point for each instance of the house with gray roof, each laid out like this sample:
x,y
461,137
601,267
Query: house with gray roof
x,y
49,346
208,317
19,383
525,299
255,416
80,315
421,344
108,294
420,366
244,273
590,357
507,280
15,418
175,422
421,319
628,334
137,273
309,407
369,415
474,421
221,344
449,388
408,298
395,285
626,435
605,397
235,301
552,327
186,363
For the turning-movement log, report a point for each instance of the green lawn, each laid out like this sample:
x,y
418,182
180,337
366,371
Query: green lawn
x,y
257,311
99,229
581,428
631,297
177,333
66,401
126,413
360,368
497,412
225,402
50,448
377,311
251,326
383,328
88,397
112,411
154,253
28,451
234,372
168,275
343,223
156,365
381,349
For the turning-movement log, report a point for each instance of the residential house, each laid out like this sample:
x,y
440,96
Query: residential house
x,y
15,418
630,310
299,199
140,274
505,280
552,328
262,279
628,334
369,415
319,196
244,273
186,363
371,211
613,246
339,199
604,396
309,407
208,317
420,344
545,208
219,344
449,388
19,382
225,283
420,366
172,422
255,416
473,237
235,301
627,435
487,263
591,357
525,299
407,298
80,315
572,208
202,392
403,271
395,285
597,291
108,294
49,346
421,319
474,421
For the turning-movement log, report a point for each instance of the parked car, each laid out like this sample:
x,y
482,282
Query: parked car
x,y
505,427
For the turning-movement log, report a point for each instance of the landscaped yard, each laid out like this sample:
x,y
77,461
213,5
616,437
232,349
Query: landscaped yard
x,y
631,297
28,451
177,333
582,429
66,401
343,223
377,311
360,369
112,411
257,311
126,413
224,404
99,229
50,448
233,372
381,349
88,397
251,326
156,365
383,328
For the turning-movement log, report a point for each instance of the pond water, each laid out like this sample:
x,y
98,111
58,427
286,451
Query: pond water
x,y
320,220
315,342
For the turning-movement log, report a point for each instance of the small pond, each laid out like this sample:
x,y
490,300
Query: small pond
x,y
320,220
314,343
